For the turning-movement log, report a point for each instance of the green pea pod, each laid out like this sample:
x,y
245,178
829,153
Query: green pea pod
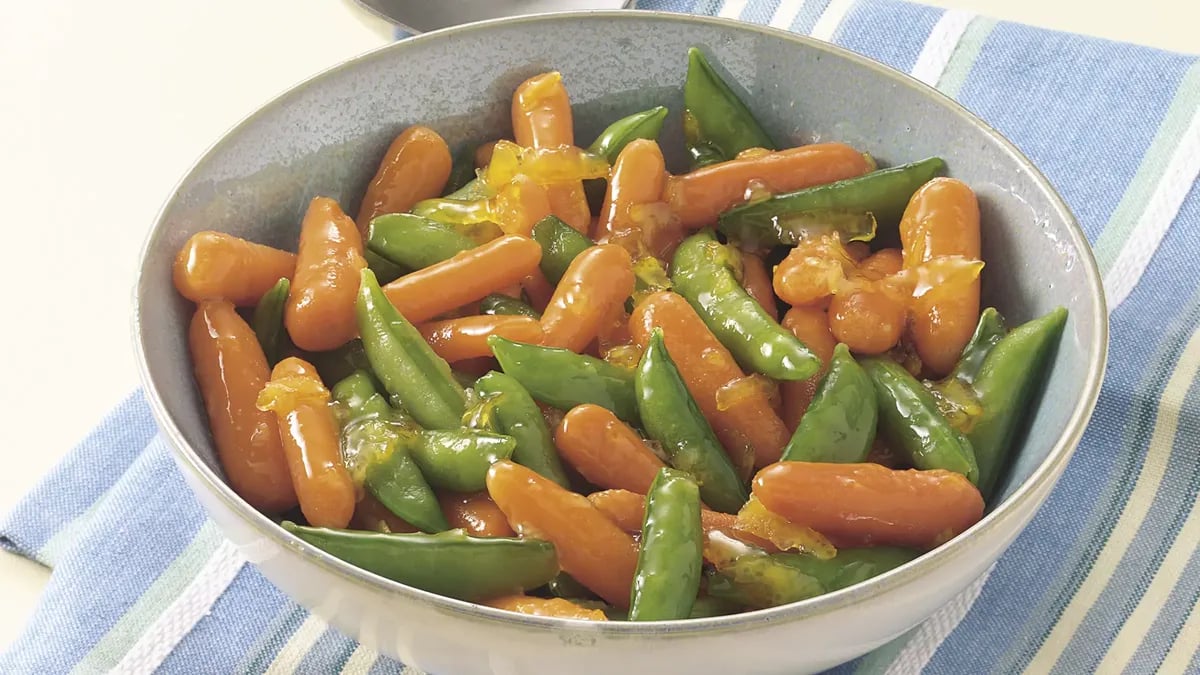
x,y
1005,384
449,563
404,363
670,558
701,273
392,475
671,417
850,566
565,586
717,124
413,241
560,244
781,218
988,332
340,363
461,172
498,303
646,124
839,424
357,395
473,190
563,379
458,460
268,320
909,417
758,581
518,415
707,606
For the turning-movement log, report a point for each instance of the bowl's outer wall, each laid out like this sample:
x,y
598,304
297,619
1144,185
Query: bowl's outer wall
x,y
326,138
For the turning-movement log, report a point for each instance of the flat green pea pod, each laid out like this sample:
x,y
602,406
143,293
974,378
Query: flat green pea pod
x,y
909,417
955,393
357,396
850,206
560,244
565,586
563,379
707,606
339,363
646,124
717,124
461,172
268,320
670,558
850,566
518,415
404,363
701,273
839,424
449,563
1004,386
988,333
757,581
671,417
473,190
498,303
413,241
458,460
385,270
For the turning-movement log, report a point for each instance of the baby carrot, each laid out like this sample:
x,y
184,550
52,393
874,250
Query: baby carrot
x,y
627,510
868,504
371,516
416,166
757,282
320,307
604,450
218,266
743,419
230,370
590,547
466,337
475,513
520,205
811,326
541,118
468,276
870,319
310,438
638,177
535,606
942,219
697,198
597,280
538,290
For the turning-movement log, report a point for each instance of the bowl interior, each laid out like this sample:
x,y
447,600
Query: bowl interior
x,y
326,137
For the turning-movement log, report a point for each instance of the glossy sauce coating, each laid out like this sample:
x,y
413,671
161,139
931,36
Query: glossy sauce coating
x,y
605,450
541,114
218,266
416,166
230,370
812,271
320,309
590,547
870,318
597,280
520,204
556,607
475,513
811,326
466,337
310,438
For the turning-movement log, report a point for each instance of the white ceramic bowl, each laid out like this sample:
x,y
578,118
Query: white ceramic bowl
x,y
326,136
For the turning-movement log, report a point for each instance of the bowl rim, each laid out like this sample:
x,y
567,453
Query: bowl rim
x,y
1042,478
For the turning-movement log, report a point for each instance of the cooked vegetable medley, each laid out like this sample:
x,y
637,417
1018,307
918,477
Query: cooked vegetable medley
x,y
565,382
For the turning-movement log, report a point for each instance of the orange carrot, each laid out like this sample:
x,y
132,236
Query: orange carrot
x,y
871,317
757,283
416,166
520,204
556,607
475,513
811,326
320,307
869,504
217,266
627,510
310,438
466,337
541,118
538,289
466,277
812,271
697,198
590,547
230,370
597,280
743,419
372,516
604,450
638,178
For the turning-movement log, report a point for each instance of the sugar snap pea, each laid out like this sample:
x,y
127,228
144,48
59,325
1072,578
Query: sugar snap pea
x,y
988,332
839,425
458,460
671,417
757,580
413,241
701,273
669,561
339,363
357,395
646,124
850,566
498,303
449,563
517,415
560,244
268,320
385,270
717,124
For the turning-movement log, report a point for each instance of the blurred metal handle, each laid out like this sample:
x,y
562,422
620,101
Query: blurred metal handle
x,y
422,16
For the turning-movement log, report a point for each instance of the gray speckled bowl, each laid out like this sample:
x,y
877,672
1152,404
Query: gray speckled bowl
x,y
326,137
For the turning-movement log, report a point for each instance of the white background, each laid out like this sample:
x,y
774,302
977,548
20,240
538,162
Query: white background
x,y
104,105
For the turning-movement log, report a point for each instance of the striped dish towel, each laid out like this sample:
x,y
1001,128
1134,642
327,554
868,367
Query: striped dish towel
x,y
1107,576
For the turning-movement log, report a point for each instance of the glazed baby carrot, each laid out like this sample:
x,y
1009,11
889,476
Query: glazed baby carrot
x,y
869,316
740,412
416,166
757,282
590,547
466,277
519,205
218,266
230,370
697,198
811,326
812,271
541,118
320,308
597,280
868,504
310,438
371,516
538,290
535,606
638,178
466,337
942,219
604,450
474,513
627,510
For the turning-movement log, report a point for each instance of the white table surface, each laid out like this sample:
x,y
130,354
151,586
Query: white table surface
x,y
104,105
